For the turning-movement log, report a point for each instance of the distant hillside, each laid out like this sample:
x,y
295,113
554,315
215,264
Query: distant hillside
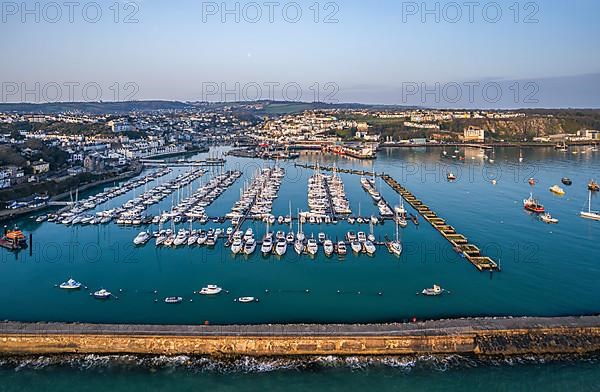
x,y
93,107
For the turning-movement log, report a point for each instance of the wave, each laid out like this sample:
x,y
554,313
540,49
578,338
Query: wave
x,y
440,363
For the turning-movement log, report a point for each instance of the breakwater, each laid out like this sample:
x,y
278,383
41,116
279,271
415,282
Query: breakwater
x,y
500,336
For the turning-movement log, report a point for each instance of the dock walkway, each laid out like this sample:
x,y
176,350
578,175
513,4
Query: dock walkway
x,y
458,241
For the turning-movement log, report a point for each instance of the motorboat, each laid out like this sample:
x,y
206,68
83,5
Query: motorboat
x,y
361,236
211,289
299,246
70,284
451,176
290,237
328,247
533,205
593,186
246,300
250,246
567,181
341,248
142,238
211,241
547,218
312,247
369,247
281,247
531,181
433,291
248,234
350,236
321,236
102,294
236,246
173,300
267,245
394,247
356,246
557,190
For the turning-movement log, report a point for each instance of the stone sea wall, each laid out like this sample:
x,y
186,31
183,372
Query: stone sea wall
x,y
487,338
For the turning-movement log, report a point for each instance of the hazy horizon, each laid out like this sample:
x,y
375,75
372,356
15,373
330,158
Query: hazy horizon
x,y
501,54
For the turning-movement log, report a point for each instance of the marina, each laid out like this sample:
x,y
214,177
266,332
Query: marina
x,y
277,255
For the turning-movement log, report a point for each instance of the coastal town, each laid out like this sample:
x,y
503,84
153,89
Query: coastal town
x,y
49,155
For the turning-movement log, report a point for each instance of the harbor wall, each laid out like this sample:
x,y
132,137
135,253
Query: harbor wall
x,y
488,338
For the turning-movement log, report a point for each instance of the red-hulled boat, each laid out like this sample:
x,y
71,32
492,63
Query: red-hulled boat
x,y
533,205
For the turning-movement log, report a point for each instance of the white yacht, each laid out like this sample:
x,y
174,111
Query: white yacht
x,y
341,248
290,237
312,247
248,234
356,246
142,238
211,289
281,247
299,246
361,236
202,237
246,300
267,245
236,246
328,247
70,284
102,294
369,247
249,246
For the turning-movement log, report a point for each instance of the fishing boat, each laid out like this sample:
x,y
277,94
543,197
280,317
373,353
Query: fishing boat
x,y
246,300
533,205
102,294
70,284
341,248
236,246
312,247
250,246
433,291
173,300
557,190
589,214
328,247
547,218
567,181
281,247
593,186
142,238
211,289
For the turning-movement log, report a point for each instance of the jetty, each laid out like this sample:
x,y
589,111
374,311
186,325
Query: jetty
x,y
480,337
459,242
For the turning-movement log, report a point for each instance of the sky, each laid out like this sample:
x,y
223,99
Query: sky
x,y
502,54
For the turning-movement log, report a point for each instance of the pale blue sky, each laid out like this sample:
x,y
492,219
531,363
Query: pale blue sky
x,y
370,53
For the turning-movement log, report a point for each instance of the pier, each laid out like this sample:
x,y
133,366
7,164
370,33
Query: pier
x,y
458,241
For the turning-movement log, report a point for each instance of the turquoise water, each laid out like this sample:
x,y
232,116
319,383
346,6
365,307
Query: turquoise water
x,y
321,374
546,270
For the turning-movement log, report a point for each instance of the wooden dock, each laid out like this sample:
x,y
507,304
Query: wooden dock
x,y
459,242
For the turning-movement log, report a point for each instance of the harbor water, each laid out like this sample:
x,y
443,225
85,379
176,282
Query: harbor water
x,y
546,270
